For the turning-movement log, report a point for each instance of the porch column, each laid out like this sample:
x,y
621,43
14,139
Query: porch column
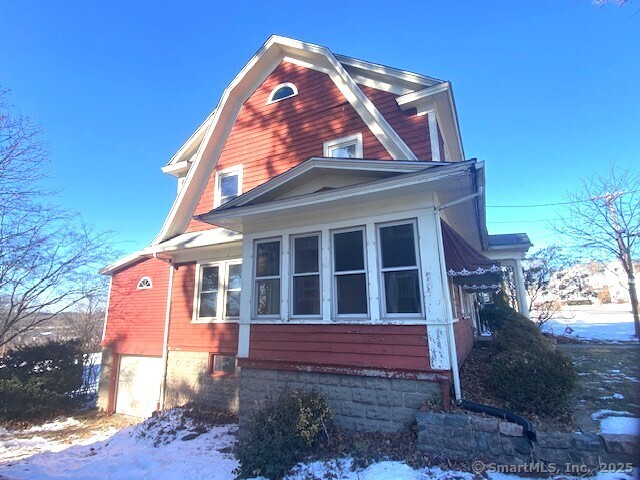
x,y
521,291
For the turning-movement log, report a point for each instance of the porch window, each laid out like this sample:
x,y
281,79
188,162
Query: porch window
x,y
218,291
228,185
350,273
464,302
399,268
267,278
306,275
452,297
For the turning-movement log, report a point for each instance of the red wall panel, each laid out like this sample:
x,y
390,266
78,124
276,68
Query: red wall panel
x,y
135,321
368,346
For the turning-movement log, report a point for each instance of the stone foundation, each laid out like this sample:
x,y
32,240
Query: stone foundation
x,y
360,403
188,380
466,438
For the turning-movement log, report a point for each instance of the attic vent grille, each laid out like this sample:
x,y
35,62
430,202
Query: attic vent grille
x,y
281,92
144,283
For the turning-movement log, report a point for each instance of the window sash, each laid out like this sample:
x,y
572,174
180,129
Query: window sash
x,y
273,304
384,287
221,292
336,274
306,274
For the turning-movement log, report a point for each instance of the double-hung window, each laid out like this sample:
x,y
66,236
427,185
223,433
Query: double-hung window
x,y
350,273
267,278
218,291
399,268
306,275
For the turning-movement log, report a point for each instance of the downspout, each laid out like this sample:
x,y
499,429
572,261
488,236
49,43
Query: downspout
x,y
165,341
453,355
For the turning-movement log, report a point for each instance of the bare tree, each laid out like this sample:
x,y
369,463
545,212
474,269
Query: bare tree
x,y
604,221
48,256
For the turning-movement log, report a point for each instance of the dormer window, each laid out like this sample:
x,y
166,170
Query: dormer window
x,y
281,92
144,283
228,185
346,147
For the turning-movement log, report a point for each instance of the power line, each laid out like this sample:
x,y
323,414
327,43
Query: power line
x,y
549,204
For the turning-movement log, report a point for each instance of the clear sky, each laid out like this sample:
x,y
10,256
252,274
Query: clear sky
x,y
546,91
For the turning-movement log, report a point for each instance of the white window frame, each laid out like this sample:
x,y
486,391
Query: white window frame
x,y
292,254
221,305
382,270
452,298
235,170
334,274
464,302
140,285
270,100
330,145
254,280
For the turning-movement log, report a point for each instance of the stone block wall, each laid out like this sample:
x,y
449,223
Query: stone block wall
x,y
360,403
463,437
188,380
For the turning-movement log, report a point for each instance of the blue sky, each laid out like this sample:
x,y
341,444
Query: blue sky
x,y
546,91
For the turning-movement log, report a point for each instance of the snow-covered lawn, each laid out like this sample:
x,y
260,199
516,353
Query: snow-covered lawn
x,y
166,448
602,323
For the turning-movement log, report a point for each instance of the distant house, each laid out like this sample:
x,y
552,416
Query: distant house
x,y
327,233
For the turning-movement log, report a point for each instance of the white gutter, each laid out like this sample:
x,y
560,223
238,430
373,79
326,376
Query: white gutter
x,y
165,342
106,312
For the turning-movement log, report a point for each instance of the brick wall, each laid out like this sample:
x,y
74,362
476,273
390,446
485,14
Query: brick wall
x,y
360,403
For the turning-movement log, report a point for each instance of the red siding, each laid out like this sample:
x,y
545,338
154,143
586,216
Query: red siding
x,y
271,139
135,322
183,335
462,330
413,129
369,346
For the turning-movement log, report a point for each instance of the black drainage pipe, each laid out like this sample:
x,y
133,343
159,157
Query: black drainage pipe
x,y
529,430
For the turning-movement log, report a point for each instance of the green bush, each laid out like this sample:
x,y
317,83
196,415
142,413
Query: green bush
x,y
37,381
533,382
526,371
281,432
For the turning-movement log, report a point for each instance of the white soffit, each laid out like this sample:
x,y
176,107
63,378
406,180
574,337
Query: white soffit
x,y
252,75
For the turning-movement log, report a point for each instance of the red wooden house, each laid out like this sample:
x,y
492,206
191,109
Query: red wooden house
x,y
327,233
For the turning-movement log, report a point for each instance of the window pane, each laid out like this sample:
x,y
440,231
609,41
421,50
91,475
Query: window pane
x,y
208,304
228,187
306,295
344,151
233,304
305,254
283,92
348,251
398,247
352,293
234,280
209,279
402,292
268,259
268,297
224,363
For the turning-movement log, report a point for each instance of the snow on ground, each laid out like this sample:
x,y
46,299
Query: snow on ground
x,y
620,425
164,448
603,323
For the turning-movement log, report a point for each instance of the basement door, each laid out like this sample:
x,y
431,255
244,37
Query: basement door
x,y
138,385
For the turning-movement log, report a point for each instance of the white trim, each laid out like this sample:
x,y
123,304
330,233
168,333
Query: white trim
x,y
382,270
234,170
234,96
199,132
355,139
141,286
165,340
434,138
106,312
270,100
221,292
176,169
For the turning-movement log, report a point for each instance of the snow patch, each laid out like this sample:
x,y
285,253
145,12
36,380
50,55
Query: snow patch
x,y
600,414
620,425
